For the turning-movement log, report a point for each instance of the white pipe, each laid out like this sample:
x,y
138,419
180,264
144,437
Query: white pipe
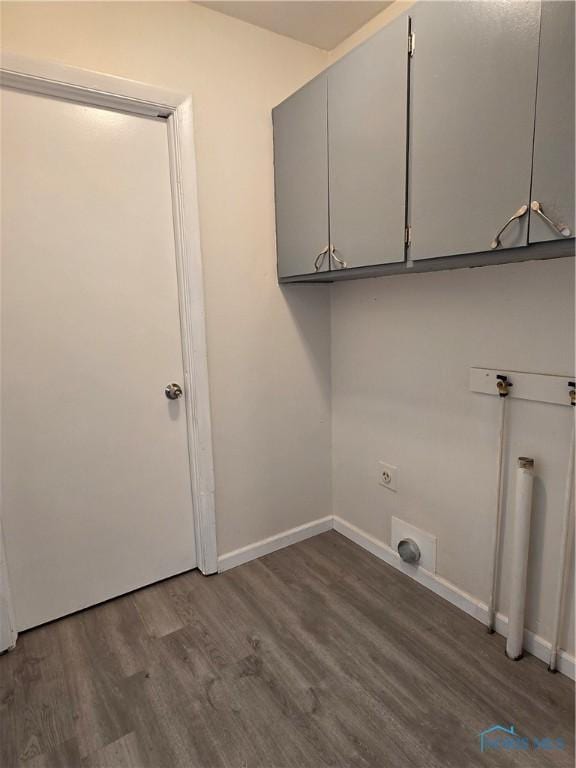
x,y
520,545
565,542
498,522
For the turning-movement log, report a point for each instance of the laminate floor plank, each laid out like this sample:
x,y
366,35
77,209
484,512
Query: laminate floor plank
x,y
156,613
316,655
10,704
62,756
118,633
208,607
93,675
122,753
43,724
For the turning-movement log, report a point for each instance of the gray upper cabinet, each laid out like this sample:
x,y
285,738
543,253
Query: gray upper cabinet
x,y
473,91
553,171
301,180
367,110
446,138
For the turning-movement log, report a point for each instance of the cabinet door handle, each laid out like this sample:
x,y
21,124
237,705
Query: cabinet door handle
x,y
561,229
518,215
319,260
342,264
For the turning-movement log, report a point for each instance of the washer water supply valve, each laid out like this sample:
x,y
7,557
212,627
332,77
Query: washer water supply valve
x,y
409,551
503,385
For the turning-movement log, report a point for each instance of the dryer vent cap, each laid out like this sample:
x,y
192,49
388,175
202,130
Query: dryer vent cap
x,y
409,551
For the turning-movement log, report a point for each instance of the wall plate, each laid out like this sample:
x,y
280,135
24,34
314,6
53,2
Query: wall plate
x,y
426,541
388,476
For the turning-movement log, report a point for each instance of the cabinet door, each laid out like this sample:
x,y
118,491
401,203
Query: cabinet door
x,y
301,179
473,91
553,170
367,125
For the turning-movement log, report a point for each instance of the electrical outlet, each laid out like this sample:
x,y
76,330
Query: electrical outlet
x,y
388,476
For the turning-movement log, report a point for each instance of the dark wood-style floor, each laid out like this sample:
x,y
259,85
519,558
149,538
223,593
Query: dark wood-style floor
x,y
316,655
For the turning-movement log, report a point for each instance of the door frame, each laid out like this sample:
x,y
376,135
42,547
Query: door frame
x,y
101,90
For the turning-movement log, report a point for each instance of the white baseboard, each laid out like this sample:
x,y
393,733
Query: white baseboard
x,y
280,540
533,643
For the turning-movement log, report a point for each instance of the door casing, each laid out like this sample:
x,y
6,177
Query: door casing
x,y
95,89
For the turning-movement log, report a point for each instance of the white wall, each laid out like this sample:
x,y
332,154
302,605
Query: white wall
x,y
401,350
268,347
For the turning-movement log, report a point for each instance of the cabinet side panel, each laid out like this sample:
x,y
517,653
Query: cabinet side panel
x,y
301,179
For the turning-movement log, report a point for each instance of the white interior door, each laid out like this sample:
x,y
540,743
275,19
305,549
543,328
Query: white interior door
x,y
96,494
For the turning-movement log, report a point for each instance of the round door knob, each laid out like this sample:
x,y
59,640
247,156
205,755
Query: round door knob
x,y
173,391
